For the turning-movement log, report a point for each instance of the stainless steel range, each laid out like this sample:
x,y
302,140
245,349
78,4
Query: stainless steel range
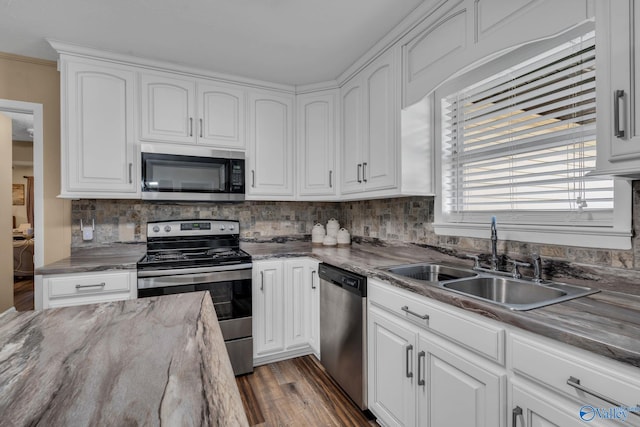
x,y
204,255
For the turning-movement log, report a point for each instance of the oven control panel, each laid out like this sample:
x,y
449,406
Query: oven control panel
x,y
192,228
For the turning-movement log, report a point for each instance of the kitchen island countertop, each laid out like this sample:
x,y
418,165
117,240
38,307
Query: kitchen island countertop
x,y
151,361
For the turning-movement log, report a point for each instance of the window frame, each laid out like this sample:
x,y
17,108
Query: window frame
x,y
617,235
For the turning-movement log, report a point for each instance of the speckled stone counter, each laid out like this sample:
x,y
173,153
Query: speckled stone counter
x,y
116,256
152,361
606,323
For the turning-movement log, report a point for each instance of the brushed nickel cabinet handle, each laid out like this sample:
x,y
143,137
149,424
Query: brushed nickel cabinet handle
x,y
330,183
408,349
97,285
618,95
517,411
313,284
253,179
201,128
359,166
262,280
364,172
419,316
130,174
190,126
575,383
421,380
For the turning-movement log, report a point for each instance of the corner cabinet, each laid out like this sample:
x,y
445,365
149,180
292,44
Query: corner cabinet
x,y
316,142
286,304
370,104
99,154
618,97
191,111
270,151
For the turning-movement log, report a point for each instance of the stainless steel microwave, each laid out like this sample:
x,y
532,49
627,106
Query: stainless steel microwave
x,y
184,173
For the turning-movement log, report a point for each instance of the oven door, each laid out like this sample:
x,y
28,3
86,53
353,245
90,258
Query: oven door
x,y
231,295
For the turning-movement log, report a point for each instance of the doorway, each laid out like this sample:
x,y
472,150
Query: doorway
x,y
27,191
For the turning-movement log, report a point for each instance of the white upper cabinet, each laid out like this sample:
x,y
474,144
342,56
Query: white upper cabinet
x,y
618,99
221,121
270,150
191,111
370,128
167,108
99,156
316,141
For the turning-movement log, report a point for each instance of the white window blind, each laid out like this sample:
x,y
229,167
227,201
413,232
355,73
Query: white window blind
x,y
522,141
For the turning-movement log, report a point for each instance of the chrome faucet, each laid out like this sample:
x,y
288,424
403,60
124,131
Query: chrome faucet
x,y
537,268
494,244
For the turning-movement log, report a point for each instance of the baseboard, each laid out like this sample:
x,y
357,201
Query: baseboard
x,y
282,355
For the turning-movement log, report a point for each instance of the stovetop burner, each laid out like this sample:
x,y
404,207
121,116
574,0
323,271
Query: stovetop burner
x,y
188,244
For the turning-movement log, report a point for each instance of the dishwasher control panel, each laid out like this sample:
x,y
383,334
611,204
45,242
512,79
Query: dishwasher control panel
x,y
346,279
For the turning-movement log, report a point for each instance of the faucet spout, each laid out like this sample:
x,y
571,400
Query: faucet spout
x,y
494,244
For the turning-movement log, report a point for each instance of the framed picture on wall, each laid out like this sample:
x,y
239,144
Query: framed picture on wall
x,y
18,194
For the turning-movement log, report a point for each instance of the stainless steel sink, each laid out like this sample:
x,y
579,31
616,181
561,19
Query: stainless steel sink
x,y
516,294
431,272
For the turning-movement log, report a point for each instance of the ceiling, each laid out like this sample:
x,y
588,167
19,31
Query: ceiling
x,y
280,41
21,125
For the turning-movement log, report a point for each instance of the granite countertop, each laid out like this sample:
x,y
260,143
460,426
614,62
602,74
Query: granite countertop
x,y
116,256
606,323
151,361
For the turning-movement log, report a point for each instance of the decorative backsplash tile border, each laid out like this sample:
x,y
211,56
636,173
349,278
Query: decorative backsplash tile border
x,y
408,219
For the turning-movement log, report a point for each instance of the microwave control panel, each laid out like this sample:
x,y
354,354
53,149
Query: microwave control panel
x,y
237,175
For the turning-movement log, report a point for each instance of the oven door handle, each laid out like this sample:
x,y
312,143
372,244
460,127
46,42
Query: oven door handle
x,y
192,270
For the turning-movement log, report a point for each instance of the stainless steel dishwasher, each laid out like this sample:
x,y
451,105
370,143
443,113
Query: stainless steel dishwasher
x,y
343,330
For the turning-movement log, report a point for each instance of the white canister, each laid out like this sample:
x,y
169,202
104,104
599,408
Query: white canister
x,y
317,234
332,227
343,238
329,241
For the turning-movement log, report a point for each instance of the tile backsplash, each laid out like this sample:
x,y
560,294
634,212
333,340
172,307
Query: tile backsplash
x,y
408,219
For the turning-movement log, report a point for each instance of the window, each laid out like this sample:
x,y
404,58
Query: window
x,y
518,140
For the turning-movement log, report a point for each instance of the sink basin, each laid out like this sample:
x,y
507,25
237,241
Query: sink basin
x,y
516,294
431,272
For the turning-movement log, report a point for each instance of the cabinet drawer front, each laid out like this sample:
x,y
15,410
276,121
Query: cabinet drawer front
x,y
468,331
553,365
83,285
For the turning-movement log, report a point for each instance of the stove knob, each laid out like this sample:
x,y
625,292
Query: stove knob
x,y
156,229
167,228
222,228
231,227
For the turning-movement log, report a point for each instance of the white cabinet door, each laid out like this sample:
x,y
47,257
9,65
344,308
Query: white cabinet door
x,y
167,108
351,137
270,146
532,408
447,383
316,144
314,312
221,111
297,303
382,120
98,147
391,369
268,307
618,99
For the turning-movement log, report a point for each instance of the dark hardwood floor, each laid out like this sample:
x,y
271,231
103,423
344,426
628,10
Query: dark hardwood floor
x,y
297,392
23,293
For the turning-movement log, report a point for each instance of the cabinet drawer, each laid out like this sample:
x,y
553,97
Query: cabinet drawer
x,y
82,285
553,364
470,331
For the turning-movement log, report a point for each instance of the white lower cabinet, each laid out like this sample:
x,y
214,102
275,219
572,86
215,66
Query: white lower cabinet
x,y
565,386
418,378
63,290
286,304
